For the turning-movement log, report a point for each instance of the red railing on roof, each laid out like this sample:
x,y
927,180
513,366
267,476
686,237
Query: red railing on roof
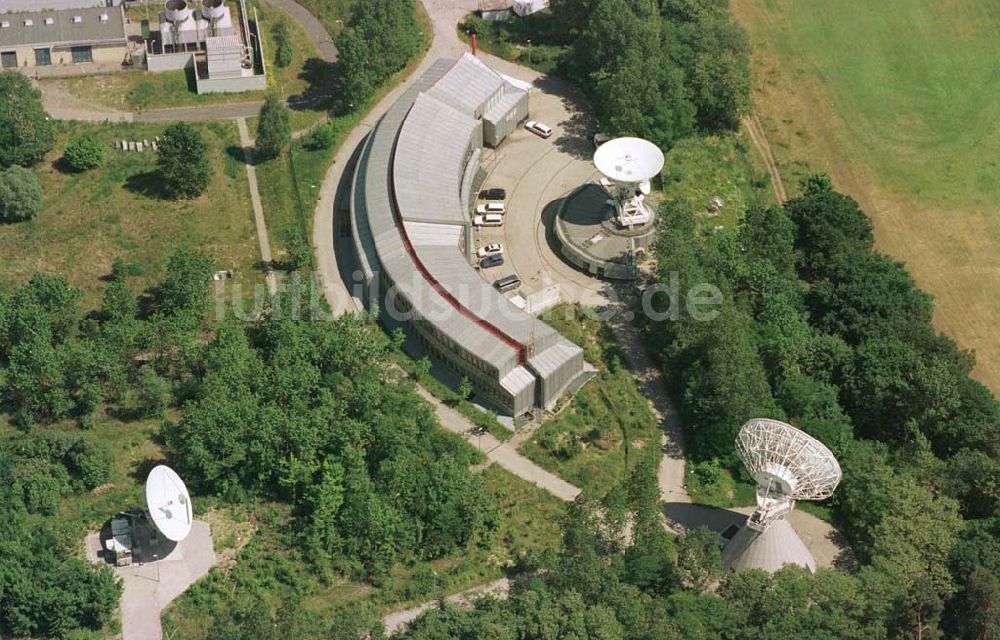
x,y
522,349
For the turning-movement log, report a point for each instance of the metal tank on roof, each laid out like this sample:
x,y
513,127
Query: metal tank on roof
x,y
176,11
213,10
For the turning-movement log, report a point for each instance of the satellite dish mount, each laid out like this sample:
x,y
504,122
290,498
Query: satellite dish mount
x,y
629,164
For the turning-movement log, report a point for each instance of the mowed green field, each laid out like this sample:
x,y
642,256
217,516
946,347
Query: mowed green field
x,y
898,102
917,83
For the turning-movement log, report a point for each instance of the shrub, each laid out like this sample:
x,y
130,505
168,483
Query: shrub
x,y
283,44
322,137
274,131
20,195
84,153
183,162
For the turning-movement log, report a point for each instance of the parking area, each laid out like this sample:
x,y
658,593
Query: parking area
x,y
536,173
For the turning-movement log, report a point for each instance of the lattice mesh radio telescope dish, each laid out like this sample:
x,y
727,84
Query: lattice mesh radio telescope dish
x,y
788,465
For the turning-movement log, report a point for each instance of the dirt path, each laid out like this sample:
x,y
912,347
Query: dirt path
x,y
759,139
258,209
502,453
398,619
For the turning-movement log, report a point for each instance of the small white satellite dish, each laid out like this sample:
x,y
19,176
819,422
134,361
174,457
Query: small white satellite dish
x,y
629,160
168,503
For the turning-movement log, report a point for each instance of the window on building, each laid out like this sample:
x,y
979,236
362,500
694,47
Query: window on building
x,y
82,54
8,59
43,57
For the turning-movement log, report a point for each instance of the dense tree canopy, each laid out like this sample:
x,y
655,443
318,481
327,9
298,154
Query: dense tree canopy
x,y
183,162
380,39
820,329
26,133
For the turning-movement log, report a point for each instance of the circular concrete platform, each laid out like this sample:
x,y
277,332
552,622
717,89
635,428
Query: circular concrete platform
x,y
591,240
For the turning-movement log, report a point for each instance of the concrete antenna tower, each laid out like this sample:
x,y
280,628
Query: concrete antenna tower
x,y
788,465
629,163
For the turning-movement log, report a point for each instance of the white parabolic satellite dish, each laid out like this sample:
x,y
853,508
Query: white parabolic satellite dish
x,y
169,503
629,160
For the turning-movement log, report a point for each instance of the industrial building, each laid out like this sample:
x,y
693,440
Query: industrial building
x,y
412,193
54,5
62,37
214,40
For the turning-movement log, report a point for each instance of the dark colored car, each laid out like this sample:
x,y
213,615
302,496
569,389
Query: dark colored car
x,y
493,194
507,283
491,261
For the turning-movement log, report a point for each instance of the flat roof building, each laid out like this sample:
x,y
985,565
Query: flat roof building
x,y
410,203
61,37
54,5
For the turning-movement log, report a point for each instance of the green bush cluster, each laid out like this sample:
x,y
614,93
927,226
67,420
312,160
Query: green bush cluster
x,y
284,52
20,194
84,152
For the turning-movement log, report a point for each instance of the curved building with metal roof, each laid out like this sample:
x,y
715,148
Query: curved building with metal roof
x,y
411,197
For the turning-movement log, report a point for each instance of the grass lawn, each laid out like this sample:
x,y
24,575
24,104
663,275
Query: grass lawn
x,y
607,424
91,218
137,90
897,101
699,168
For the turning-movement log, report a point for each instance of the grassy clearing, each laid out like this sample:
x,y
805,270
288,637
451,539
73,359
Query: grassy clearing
x,y
91,218
699,168
607,426
140,91
269,564
710,484
897,101
509,39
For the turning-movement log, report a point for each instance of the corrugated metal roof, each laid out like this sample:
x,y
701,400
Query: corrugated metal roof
x,y
64,30
427,234
223,43
549,361
427,161
517,380
507,102
430,161
468,85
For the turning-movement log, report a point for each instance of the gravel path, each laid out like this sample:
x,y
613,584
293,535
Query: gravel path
x,y
258,209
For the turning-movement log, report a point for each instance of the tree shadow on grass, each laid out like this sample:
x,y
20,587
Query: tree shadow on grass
x,y
148,184
323,82
240,155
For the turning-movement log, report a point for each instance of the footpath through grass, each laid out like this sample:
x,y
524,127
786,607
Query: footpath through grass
x,y
898,102
607,426
88,219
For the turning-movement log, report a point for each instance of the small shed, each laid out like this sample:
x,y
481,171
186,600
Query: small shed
x,y
528,7
495,10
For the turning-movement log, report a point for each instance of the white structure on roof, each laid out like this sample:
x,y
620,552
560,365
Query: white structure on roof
x,y
788,465
528,7
630,163
495,10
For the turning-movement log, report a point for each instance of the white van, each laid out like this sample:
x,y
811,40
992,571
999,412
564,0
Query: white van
x,y
488,220
491,207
